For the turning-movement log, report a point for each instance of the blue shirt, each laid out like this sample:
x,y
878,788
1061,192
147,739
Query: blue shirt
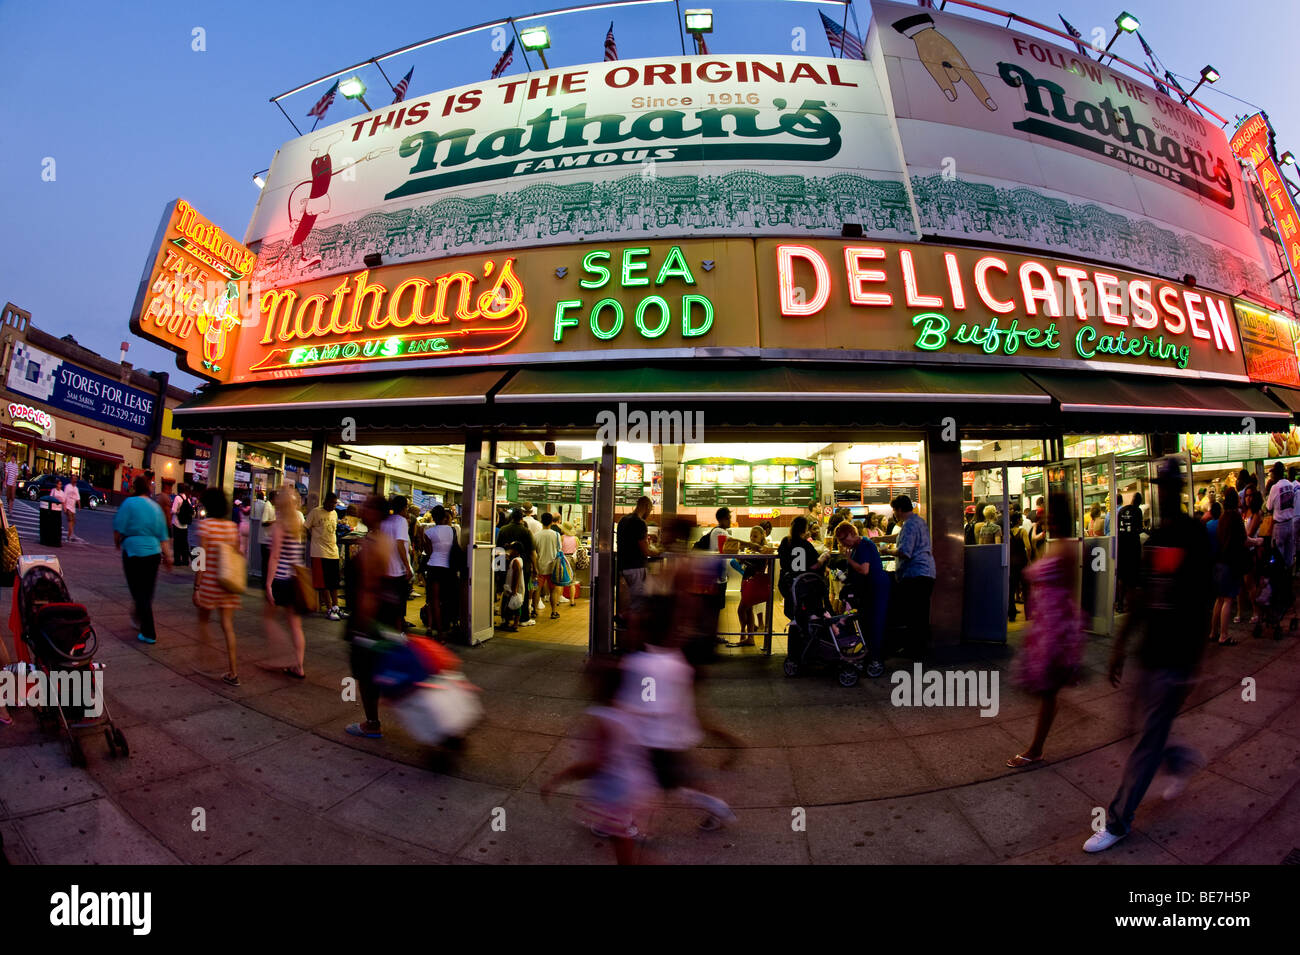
x,y
141,523
867,555
915,558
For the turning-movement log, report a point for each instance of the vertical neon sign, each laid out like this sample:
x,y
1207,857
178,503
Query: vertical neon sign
x,y
1252,143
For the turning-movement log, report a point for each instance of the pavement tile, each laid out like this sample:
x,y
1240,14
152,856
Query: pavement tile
x,y
1017,814
927,829
309,771
963,755
1268,762
437,812
537,833
154,755
305,705
39,776
501,757
548,715
226,731
1212,815
15,850
164,699
1135,849
1266,843
91,833
757,837
847,772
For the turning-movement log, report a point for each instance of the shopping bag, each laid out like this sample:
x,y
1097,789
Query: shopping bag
x,y
304,594
444,706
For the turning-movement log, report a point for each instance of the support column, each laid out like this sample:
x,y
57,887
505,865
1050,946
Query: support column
x,y
317,486
945,517
672,456
478,538
602,561
221,466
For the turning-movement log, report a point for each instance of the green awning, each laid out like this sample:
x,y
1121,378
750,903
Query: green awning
x,y
340,392
770,383
1158,397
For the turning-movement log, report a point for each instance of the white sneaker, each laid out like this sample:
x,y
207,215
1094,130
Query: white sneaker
x,y
1101,841
1177,786
563,599
529,623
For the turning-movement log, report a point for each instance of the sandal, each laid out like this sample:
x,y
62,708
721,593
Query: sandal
x,y
356,729
230,680
1020,760
290,671
1228,643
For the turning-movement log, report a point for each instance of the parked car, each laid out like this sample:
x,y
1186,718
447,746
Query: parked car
x,y
39,487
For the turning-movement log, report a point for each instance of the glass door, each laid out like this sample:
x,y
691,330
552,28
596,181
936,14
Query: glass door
x,y
485,565
1063,526
986,556
1097,516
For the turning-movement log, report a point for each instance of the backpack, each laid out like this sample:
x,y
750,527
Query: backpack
x,y
186,513
702,544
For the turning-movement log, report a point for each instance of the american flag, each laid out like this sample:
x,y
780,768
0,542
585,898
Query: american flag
x,y
1078,37
324,102
611,48
507,58
850,46
399,91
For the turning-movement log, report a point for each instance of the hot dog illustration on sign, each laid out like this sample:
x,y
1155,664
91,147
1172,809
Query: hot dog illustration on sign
x,y
305,210
943,60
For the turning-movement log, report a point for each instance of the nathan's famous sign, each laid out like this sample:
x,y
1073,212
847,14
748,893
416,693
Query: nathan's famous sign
x,y
675,147
580,302
1047,147
190,294
1252,143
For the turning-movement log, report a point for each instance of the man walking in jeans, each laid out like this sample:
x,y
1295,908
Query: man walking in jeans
x,y
916,573
1172,607
1282,505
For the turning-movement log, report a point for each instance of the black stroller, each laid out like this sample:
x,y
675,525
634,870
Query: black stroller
x,y
818,636
62,642
1276,596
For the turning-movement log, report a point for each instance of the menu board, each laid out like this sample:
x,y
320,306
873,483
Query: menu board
x,y
1268,345
1233,448
773,482
883,479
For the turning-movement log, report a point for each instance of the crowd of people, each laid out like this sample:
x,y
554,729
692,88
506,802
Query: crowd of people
x,y
539,560
302,559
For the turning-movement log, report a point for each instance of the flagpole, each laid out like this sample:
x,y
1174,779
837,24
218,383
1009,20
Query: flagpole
x,y
385,76
522,49
856,29
845,28
288,117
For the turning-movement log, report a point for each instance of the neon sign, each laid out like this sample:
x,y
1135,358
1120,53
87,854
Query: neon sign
x,y
653,315
451,318
1137,317
27,415
1253,143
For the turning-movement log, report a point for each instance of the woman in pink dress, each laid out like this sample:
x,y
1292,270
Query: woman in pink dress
x,y
1054,640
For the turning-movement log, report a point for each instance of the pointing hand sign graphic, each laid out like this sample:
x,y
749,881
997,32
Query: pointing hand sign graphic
x,y
942,59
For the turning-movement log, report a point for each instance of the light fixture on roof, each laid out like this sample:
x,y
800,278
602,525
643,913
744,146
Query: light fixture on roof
x,y
259,178
1208,75
536,40
1288,158
1124,23
353,88
698,22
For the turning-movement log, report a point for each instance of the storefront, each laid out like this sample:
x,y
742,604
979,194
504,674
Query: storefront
x,y
802,334
71,413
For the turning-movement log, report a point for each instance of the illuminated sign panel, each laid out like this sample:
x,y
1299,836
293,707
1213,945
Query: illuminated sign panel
x,y
1268,345
1009,137
578,302
1252,143
672,147
30,419
190,295
886,297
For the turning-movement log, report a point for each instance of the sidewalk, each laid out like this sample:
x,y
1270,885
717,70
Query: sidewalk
x,y
279,781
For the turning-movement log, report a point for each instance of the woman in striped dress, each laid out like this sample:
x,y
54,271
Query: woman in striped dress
x,y
287,553
215,529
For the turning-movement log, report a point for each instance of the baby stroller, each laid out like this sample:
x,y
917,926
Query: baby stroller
x,y
819,636
62,642
1276,596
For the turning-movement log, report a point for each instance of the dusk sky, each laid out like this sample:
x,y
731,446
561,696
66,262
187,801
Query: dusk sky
x,y
133,117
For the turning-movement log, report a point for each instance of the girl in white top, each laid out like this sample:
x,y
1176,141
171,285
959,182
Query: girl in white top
x,y
440,583
70,497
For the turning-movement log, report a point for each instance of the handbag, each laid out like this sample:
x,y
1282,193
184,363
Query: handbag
x,y
582,559
304,594
232,569
516,601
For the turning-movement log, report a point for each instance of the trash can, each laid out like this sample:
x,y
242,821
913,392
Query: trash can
x,y
51,522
